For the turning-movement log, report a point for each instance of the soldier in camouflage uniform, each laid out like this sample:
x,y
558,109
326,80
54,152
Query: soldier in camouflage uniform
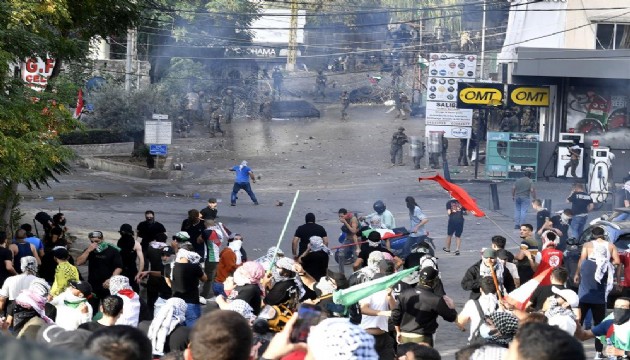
x,y
227,106
215,122
320,82
345,103
398,140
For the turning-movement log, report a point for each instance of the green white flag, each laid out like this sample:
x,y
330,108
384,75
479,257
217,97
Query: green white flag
x,y
353,294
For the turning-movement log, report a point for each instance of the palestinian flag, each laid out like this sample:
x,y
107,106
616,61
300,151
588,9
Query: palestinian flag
x,y
354,294
520,297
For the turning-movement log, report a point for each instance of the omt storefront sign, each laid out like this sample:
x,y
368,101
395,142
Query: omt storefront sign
x,y
524,95
479,95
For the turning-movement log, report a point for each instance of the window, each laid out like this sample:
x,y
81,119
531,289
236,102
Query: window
x,y
612,36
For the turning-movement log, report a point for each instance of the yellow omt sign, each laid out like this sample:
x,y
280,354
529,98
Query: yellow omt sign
x,y
530,96
481,96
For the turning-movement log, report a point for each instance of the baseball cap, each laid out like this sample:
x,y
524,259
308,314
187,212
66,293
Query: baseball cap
x,y
428,273
568,295
489,253
83,286
340,279
168,251
181,236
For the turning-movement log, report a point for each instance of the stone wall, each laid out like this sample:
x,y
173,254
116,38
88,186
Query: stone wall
x,y
125,148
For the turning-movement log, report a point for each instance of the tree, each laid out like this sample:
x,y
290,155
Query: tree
x,y
30,121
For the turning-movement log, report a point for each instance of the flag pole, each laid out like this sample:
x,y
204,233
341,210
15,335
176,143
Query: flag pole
x,y
496,282
284,229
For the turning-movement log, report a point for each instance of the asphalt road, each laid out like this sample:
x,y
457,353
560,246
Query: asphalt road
x,y
334,164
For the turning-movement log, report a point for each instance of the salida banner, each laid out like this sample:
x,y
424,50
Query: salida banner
x,y
482,95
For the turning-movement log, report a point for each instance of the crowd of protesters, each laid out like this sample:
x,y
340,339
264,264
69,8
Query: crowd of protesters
x,y
197,295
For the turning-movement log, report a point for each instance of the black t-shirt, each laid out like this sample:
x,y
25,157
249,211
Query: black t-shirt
x,y
457,211
164,291
580,202
92,326
249,293
366,250
5,255
177,340
557,223
128,255
316,264
102,265
147,231
541,294
207,213
541,216
185,283
194,231
281,292
305,231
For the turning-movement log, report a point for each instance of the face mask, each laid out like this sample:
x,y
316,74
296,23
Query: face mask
x,y
621,315
102,246
485,331
168,260
564,219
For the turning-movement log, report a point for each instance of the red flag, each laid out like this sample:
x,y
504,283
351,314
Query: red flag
x,y
520,297
79,109
458,193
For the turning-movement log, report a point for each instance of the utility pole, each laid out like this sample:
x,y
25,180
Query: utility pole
x,y
292,55
483,41
128,64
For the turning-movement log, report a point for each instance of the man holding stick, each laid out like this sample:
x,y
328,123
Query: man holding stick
x,y
487,266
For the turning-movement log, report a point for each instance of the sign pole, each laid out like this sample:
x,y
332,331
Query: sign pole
x,y
485,118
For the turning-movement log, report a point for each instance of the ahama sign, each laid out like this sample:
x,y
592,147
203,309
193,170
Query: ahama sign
x,y
36,72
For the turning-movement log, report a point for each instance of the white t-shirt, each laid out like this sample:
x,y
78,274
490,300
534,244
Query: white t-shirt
x,y
68,317
13,285
512,269
470,311
378,302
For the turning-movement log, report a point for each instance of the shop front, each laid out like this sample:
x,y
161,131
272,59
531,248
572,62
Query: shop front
x,y
590,94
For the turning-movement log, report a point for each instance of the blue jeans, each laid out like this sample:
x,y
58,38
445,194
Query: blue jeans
x,y
577,226
521,204
193,312
217,288
242,186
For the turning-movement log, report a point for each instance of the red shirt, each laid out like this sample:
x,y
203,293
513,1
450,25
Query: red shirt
x,y
551,258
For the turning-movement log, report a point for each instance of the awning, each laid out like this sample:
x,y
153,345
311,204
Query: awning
x,y
572,63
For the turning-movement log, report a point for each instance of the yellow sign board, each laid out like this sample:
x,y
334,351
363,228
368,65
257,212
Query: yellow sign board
x,y
481,96
528,95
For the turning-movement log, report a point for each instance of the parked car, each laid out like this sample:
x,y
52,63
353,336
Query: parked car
x,y
617,232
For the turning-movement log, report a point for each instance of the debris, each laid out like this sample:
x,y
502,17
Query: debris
x,y
279,203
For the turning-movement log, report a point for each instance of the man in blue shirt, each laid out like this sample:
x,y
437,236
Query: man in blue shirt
x,y
32,239
241,182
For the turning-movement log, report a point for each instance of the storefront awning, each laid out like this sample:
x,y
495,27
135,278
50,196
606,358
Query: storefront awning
x,y
572,63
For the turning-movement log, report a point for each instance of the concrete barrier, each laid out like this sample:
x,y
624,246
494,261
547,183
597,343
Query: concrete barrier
x,y
100,164
125,148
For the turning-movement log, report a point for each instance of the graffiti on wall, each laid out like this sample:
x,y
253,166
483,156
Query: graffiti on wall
x,y
596,110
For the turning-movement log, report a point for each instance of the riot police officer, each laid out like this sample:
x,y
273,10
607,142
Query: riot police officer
x,y
227,105
398,140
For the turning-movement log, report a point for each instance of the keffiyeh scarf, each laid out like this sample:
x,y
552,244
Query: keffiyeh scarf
x,y
171,314
191,256
29,299
235,245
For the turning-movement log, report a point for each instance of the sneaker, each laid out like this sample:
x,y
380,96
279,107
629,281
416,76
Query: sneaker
x,y
232,204
202,300
256,203
599,356
456,252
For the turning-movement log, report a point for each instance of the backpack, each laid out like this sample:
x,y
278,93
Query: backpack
x,y
476,336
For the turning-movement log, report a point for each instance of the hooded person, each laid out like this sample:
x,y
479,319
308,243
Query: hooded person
x,y
499,328
245,285
119,285
130,251
373,245
286,287
229,259
72,305
316,257
167,331
29,309
559,309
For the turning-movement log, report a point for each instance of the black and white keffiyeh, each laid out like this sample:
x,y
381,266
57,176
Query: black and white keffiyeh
x,y
337,338
171,314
